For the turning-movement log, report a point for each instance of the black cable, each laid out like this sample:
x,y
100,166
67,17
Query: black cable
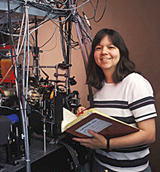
x,y
73,155
95,11
11,13
102,13
86,32
73,43
48,40
62,41
47,7
5,56
84,12
10,30
6,26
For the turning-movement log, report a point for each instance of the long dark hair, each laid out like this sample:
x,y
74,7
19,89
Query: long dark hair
x,y
125,66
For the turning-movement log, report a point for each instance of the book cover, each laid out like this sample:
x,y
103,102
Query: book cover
x,y
96,121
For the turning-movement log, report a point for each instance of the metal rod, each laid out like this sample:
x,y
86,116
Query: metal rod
x,y
44,134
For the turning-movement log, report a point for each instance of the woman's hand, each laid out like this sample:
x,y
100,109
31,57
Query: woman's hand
x,y
80,109
97,141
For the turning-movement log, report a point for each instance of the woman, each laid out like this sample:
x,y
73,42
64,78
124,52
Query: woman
x,y
123,94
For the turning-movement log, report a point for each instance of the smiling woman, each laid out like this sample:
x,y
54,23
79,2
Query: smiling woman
x,y
108,44
107,56
125,95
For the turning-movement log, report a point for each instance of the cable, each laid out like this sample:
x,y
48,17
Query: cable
x,y
53,46
49,38
72,45
59,10
102,12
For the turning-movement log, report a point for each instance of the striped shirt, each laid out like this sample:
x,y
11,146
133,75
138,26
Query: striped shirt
x,y
130,101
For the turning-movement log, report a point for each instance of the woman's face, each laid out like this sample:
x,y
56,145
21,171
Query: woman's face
x,y
106,55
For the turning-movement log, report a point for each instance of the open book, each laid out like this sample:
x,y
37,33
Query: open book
x,y
96,121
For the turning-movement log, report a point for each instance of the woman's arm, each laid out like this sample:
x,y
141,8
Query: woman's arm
x,y
145,135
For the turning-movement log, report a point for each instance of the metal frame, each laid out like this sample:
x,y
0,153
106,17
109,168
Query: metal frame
x,y
84,45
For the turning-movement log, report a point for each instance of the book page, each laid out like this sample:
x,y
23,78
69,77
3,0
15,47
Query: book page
x,y
67,118
95,124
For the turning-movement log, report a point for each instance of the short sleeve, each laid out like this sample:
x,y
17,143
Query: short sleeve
x,y
141,99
